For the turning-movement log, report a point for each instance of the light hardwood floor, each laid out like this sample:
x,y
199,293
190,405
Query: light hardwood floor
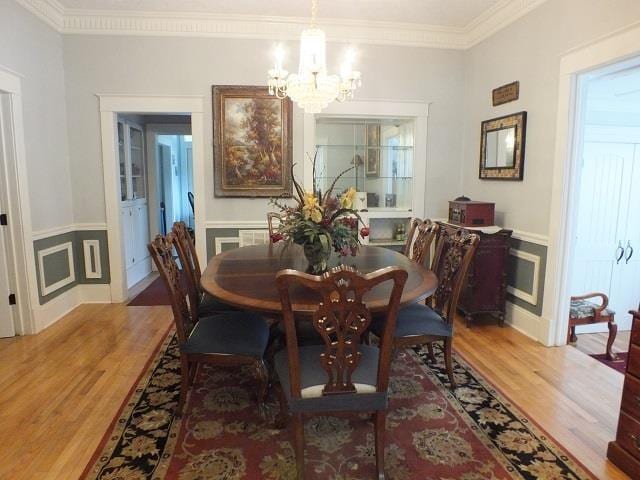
x,y
60,390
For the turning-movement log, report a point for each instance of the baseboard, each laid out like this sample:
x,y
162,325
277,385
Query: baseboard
x,y
52,311
527,323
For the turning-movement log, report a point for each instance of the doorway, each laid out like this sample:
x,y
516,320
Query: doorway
x,y
7,283
606,235
110,107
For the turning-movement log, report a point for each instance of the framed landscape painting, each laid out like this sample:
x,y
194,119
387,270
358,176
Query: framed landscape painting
x,y
252,142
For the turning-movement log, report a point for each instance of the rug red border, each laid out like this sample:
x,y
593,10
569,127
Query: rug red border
x,y
130,392
531,419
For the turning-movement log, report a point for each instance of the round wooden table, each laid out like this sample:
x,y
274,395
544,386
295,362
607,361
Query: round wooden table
x,y
245,277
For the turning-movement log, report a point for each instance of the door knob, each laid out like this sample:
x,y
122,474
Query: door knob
x,y
619,252
629,251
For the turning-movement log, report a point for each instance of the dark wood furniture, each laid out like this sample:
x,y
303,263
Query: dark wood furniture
x,y
420,324
186,249
341,374
272,219
470,213
245,277
624,451
486,287
230,338
421,236
584,312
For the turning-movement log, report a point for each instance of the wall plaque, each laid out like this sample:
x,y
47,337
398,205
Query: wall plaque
x,y
506,93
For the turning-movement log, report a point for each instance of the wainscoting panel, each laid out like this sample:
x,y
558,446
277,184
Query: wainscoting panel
x,y
525,275
68,259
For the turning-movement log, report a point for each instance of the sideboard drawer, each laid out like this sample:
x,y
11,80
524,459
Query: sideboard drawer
x,y
631,396
629,434
633,365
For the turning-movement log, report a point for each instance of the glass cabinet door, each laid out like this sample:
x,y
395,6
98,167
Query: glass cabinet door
x,y
137,163
123,162
379,154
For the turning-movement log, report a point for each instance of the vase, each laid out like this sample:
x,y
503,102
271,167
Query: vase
x,y
317,255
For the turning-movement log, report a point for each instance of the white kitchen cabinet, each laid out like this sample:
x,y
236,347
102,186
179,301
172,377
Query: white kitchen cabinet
x,y
133,207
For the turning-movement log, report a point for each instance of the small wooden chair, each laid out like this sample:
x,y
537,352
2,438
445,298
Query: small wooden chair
x,y
342,374
584,312
228,339
186,249
421,236
420,324
272,218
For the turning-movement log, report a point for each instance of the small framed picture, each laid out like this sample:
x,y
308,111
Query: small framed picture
x,y
373,135
372,163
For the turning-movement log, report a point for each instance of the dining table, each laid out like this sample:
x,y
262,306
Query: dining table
x,y
246,277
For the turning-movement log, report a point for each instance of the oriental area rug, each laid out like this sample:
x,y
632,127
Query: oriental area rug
x,y
472,434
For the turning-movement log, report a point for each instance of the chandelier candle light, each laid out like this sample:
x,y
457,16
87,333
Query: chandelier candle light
x,y
311,88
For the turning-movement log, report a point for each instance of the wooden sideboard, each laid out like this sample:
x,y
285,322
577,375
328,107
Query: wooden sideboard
x,y
486,286
624,451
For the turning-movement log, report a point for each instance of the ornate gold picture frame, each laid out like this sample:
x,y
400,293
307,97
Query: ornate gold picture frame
x,y
252,142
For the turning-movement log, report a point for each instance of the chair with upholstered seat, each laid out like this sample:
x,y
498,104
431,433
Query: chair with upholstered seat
x,y
584,312
186,249
420,324
229,338
421,236
342,374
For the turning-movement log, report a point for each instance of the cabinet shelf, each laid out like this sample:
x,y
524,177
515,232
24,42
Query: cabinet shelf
x,y
386,242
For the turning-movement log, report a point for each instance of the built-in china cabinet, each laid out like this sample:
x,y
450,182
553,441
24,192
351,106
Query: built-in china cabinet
x,y
133,206
384,146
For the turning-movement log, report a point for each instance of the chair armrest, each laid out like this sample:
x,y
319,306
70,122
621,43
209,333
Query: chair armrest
x,y
597,310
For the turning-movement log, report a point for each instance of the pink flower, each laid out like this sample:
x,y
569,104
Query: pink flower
x,y
276,237
364,232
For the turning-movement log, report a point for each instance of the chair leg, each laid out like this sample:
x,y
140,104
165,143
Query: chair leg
x,y
448,343
572,334
432,356
281,418
298,443
262,377
184,383
380,418
613,331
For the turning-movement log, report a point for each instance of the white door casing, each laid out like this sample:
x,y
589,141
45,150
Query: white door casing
x,y
110,106
619,46
18,203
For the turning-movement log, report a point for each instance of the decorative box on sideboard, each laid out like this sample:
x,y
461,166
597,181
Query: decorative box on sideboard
x,y
624,451
470,213
486,286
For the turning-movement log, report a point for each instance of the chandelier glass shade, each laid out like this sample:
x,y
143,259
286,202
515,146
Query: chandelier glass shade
x,y
312,88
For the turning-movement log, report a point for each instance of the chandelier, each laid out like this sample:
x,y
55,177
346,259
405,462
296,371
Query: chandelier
x,y
311,88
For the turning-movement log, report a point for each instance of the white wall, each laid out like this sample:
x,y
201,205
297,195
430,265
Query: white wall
x,y
529,50
190,66
33,50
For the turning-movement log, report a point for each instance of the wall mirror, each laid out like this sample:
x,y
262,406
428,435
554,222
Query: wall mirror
x,y
502,147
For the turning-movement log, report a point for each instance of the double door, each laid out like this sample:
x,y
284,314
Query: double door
x,y
607,243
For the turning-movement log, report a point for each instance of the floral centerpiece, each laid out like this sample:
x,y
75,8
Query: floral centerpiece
x,y
320,222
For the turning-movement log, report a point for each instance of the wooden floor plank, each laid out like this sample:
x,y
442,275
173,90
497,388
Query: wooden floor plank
x,y
60,390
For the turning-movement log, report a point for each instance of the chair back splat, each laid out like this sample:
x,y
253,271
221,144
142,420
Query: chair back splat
x,y
454,253
421,236
341,319
161,250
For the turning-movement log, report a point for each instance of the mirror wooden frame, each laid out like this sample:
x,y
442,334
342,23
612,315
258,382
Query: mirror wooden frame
x,y
516,172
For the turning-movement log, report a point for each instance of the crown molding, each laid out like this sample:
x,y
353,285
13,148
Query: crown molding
x,y
180,24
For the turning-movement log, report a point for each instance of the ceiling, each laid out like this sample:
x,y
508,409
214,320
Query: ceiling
x,y
454,24
446,13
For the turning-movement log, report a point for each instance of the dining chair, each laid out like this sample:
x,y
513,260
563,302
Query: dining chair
x,y
271,218
420,324
186,249
342,374
421,236
225,339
